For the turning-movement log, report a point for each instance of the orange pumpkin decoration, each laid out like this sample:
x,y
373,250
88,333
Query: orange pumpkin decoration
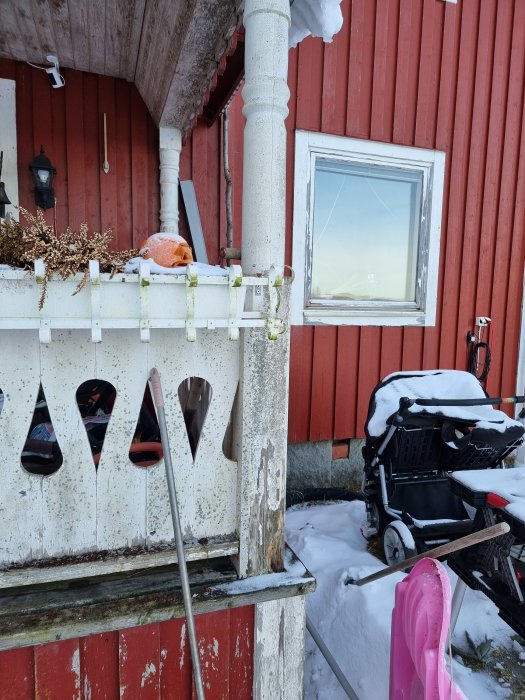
x,y
167,250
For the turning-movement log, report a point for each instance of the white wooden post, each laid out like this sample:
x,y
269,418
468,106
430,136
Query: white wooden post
x,y
170,144
261,426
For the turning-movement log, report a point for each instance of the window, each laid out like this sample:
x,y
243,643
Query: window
x,y
367,220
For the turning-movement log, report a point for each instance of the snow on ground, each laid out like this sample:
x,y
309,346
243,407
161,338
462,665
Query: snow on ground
x,y
355,622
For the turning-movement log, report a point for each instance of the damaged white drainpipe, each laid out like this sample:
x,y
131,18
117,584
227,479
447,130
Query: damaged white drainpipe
x,y
265,96
170,144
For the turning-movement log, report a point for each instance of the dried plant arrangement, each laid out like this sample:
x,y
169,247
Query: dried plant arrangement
x,y
64,255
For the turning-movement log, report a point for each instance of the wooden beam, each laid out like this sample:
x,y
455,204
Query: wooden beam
x,y
227,84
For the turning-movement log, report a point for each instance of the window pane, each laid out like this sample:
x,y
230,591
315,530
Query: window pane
x,y
365,232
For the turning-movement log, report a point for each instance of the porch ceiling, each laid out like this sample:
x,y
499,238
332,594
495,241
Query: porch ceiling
x,y
169,48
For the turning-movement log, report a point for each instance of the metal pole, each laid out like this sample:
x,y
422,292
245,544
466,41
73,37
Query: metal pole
x,y
325,651
158,398
457,601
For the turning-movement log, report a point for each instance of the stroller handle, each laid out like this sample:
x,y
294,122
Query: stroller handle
x,y
405,402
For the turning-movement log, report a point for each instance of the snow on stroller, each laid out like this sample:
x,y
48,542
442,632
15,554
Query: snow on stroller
x,y
420,427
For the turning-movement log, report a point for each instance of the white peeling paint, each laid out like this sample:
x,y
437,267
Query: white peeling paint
x,y
150,669
182,644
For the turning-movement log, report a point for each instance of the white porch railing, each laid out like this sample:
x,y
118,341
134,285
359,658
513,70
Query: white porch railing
x,y
116,330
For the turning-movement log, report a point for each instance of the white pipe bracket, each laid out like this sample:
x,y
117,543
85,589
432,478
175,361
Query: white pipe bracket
x,y
96,304
144,284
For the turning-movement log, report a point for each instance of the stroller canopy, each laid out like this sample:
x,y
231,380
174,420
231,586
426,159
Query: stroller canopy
x,y
435,384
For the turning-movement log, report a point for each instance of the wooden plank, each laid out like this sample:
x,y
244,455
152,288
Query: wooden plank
x,y
409,42
13,44
91,152
448,78
278,656
96,26
42,17
459,155
323,383
74,136
99,666
61,19
139,663
301,357
391,350
213,637
21,493
345,382
59,158
509,253
24,125
429,71
309,87
139,169
412,348
360,71
175,660
121,486
369,359
28,34
241,651
80,32
57,670
384,76
153,175
69,496
123,233
476,173
108,181
17,674
335,79
128,59
488,278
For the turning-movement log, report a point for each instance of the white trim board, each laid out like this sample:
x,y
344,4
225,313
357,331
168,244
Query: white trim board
x,y
8,144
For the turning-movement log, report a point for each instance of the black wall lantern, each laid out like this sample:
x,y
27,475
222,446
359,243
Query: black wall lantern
x,y
43,172
4,199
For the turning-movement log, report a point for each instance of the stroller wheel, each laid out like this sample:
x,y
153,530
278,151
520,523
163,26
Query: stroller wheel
x,y
398,543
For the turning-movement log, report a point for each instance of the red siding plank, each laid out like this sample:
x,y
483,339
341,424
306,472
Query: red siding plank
x,y
139,663
139,169
108,181
17,674
99,666
360,70
241,652
429,68
57,670
175,661
75,149
369,366
391,351
346,382
384,78
91,153
301,354
310,84
213,635
323,383
409,42
335,79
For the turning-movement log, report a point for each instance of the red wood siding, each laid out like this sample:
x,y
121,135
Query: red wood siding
x,y
148,662
68,122
433,75
420,73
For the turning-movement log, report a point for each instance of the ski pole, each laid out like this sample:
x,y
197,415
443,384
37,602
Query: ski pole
x,y
156,390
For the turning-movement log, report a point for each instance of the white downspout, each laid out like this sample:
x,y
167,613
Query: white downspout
x,y
170,144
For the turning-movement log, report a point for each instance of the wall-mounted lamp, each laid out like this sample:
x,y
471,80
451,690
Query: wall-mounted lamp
x,y
4,199
43,172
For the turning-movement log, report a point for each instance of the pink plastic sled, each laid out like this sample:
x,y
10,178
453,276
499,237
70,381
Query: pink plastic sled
x,y
420,623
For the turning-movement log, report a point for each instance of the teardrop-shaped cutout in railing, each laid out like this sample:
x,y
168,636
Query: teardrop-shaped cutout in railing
x,y
228,441
41,454
95,401
2,398
195,397
146,447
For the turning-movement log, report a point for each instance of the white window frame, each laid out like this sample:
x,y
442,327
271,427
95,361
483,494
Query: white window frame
x,y
8,144
312,145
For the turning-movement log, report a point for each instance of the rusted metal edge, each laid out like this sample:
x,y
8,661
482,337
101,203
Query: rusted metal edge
x,y
46,613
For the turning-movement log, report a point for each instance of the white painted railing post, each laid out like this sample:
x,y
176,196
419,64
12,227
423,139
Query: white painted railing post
x,y
170,144
261,425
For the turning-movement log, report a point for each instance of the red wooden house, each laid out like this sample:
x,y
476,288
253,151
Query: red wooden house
x,y
407,131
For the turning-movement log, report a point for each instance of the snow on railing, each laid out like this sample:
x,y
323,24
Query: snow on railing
x,y
115,330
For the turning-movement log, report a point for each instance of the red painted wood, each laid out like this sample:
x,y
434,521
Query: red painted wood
x,y
139,662
409,44
91,153
57,670
301,355
335,81
17,675
310,84
346,381
323,383
241,652
429,68
75,149
369,365
99,666
139,169
384,77
108,182
391,350
360,70
175,661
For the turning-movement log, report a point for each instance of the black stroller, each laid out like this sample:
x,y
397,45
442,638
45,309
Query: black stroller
x,y
420,427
